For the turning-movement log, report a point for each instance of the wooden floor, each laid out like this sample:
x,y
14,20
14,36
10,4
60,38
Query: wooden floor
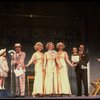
x,y
64,97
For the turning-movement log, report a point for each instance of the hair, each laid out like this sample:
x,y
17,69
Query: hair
x,y
17,46
47,45
74,48
37,45
60,43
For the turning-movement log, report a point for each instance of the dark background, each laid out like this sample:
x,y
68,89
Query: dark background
x,y
72,22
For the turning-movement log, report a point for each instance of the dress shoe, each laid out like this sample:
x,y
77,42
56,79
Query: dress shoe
x,y
22,95
0,88
78,95
3,88
86,95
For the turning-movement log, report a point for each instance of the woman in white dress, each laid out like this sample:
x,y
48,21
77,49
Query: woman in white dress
x,y
3,68
37,59
63,80
51,86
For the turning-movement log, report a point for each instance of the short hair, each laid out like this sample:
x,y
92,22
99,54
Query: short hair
x,y
47,45
18,45
75,48
60,43
37,45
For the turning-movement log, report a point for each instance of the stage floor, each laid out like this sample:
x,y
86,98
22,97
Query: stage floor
x,y
64,97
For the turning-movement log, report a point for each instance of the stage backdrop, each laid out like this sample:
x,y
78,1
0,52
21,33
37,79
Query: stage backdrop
x,y
29,35
31,22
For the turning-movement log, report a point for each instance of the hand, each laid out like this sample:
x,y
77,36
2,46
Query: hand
x,y
98,59
18,68
18,62
75,64
43,69
24,66
60,67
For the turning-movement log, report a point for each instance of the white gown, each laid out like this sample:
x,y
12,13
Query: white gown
x,y
63,80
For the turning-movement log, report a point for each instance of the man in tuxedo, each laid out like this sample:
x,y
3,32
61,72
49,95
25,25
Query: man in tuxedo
x,y
81,71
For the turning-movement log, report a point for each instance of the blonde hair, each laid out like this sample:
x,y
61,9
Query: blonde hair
x,y
37,45
60,43
47,45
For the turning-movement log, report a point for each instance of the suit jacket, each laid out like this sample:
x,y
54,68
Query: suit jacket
x,y
83,61
18,57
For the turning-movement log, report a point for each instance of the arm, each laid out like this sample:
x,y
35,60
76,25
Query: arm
x,y
31,60
58,62
67,59
45,61
22,57
84,59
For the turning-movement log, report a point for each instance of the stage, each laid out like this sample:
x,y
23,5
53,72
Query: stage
x,y
64,97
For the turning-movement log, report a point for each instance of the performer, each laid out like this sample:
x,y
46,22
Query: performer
x,y
50,87
63,80
74,54
3,68
37,59
81,71
75,51
18,62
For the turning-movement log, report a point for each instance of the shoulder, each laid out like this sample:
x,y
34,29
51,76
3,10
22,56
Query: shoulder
x,y
55,51
23,53
34,54
65,52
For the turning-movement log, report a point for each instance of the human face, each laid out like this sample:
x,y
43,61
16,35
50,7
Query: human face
x,y
60,47
81,48
51,46
18,49
74,50
40,48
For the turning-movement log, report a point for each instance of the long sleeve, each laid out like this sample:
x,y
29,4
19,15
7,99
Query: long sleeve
x,y
31,60
23,57
84,59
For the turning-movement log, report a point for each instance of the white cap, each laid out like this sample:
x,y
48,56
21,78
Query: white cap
x,y
2,51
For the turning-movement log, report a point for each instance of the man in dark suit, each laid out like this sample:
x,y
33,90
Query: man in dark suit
x,y
81,71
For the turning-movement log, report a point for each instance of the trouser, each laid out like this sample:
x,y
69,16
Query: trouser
x,y
20,85
81,76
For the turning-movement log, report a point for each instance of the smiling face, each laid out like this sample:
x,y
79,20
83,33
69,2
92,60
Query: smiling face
x,y
50,46
40,47
60,47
